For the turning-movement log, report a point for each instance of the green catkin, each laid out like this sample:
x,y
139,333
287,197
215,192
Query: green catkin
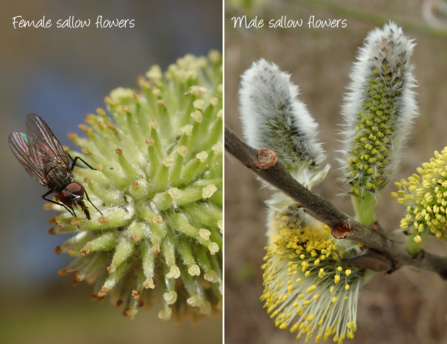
x,y
379,110
157,184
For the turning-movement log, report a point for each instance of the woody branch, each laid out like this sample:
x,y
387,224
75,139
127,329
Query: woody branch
x,y
382,253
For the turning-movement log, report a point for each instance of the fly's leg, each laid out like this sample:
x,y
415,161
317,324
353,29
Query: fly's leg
x,y
75,160
70,209
88,198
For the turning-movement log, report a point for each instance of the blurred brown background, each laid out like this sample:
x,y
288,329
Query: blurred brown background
x,y
62,75
405,307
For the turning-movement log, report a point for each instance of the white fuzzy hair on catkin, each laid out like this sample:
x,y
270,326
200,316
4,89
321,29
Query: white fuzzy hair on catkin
x,y
274,118
389,47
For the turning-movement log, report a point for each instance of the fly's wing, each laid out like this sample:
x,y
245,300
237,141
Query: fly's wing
x,y
46,147
19,144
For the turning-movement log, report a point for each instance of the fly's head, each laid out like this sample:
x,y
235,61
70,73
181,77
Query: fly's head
x,y
73,195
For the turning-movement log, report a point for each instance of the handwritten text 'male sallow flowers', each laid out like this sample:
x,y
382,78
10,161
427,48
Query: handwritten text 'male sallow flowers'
x,y
286,24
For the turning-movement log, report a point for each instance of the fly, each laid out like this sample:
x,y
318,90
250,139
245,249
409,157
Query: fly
x,y
43,157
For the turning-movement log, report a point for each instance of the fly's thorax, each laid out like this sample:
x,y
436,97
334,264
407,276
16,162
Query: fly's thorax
x,y
58,177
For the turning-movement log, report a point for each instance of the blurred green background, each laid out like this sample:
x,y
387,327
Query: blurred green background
x,y
405,307
63,74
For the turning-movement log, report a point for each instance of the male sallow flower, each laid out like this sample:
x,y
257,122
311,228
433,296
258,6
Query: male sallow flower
x,y
425,195
378,111
274,118
307,289
158,185
434,13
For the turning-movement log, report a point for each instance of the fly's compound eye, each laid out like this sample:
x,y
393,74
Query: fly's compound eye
x,y
75,189
65,198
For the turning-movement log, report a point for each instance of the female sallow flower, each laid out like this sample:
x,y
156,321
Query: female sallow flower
x,y
378,111
308,289
425,195
158,185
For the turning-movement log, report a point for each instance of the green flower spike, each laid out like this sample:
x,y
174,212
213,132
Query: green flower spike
x,y
425,195
158,185
378,111
307,288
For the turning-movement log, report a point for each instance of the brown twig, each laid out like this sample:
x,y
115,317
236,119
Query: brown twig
x,y
342,226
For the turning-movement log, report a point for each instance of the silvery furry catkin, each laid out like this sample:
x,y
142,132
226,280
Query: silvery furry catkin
x,y
274,118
